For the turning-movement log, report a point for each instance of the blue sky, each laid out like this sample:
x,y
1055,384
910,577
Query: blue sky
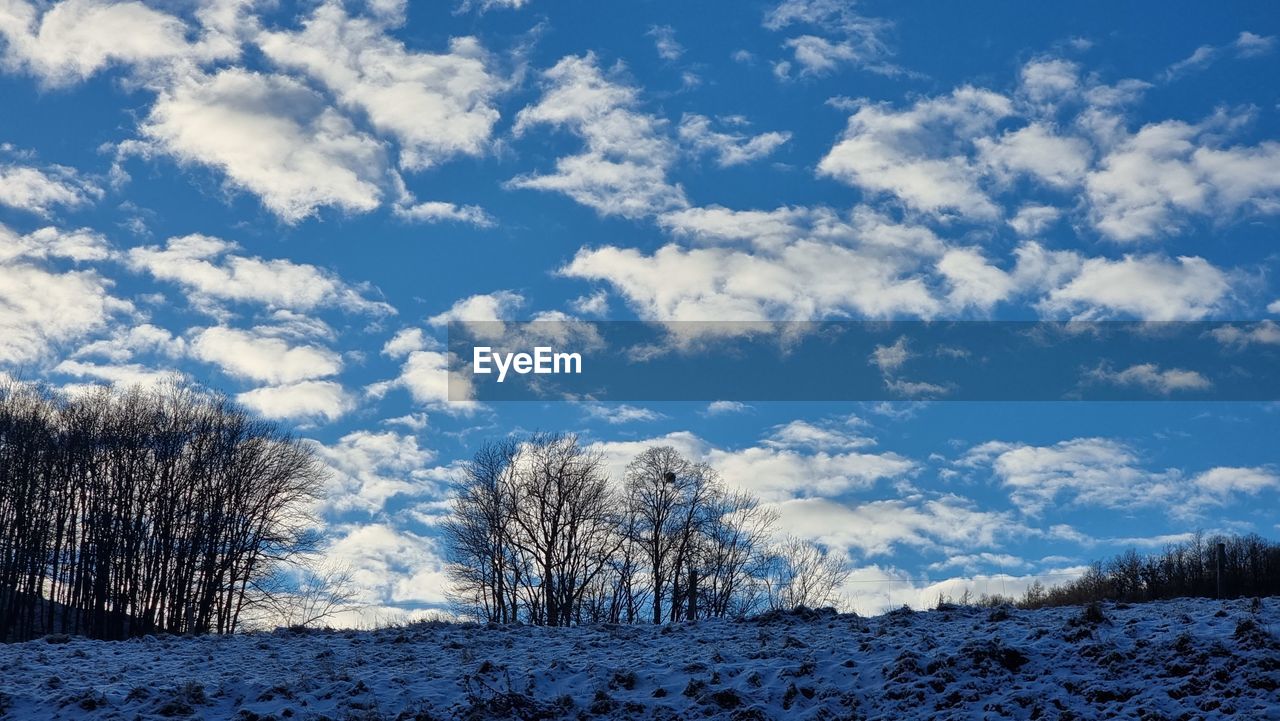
x,y
288,202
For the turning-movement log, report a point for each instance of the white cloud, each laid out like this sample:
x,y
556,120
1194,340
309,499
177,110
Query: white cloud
x,y
272,136
1252,45
868,266
485,5
720,408
729,148
73,39
368,468
251,354
916,155
76,245
1038,150
425,375
889,358
436,211
1166,171
1225,481
39,191
302,401
664,41
211,271
405,342
1200,58
827,436
596,304
435,105
1265,332
1150,377
1105,473
1146,287
879,527
779,473
45,307
127,375
1031,219
844,37
485,307
619,413
389,565
1088,471
126,342
622,169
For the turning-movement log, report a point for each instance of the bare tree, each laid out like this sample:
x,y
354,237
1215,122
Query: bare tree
x,y
668,496
802,574
310,598
124,511
484,568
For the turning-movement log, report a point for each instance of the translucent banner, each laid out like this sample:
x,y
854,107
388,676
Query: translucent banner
x,y
863,360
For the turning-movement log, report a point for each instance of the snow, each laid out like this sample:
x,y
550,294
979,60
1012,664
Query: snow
x,y
1184,659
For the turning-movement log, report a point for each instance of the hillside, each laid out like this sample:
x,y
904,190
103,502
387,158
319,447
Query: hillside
x,y
1184,659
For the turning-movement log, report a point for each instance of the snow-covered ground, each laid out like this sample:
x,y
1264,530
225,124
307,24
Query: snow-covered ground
x,y
1187,659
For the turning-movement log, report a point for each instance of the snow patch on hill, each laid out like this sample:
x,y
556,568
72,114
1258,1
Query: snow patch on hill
x,y
1185,659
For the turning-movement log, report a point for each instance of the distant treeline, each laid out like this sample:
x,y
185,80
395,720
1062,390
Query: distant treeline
x,y
129,512
1250,567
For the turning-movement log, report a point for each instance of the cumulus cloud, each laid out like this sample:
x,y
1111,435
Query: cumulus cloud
x,y
211,271
272,136
1151,377
1265,332
834,35
1147,287
620,413
436,105
1167,171
623,167
800,433
919,155
880,527
1225,481
367,468
436,211
390,566
256,356
46,306
425,375
729,148
1106,473
40,190
303,401
867,266
71,40
484,307
122,374
720,408
1087,471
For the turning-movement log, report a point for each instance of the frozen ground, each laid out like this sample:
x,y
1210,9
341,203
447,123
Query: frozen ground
x,y
1189,659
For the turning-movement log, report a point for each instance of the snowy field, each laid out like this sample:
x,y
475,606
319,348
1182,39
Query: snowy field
x,y
1190,659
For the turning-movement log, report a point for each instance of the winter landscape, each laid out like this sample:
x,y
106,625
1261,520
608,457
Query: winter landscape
x,y
376,360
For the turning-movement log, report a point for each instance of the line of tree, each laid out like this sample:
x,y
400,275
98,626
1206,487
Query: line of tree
x,y
540,534
124,512
1250,567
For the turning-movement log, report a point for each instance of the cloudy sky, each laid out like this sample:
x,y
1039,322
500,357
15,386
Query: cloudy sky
x,y
289,202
